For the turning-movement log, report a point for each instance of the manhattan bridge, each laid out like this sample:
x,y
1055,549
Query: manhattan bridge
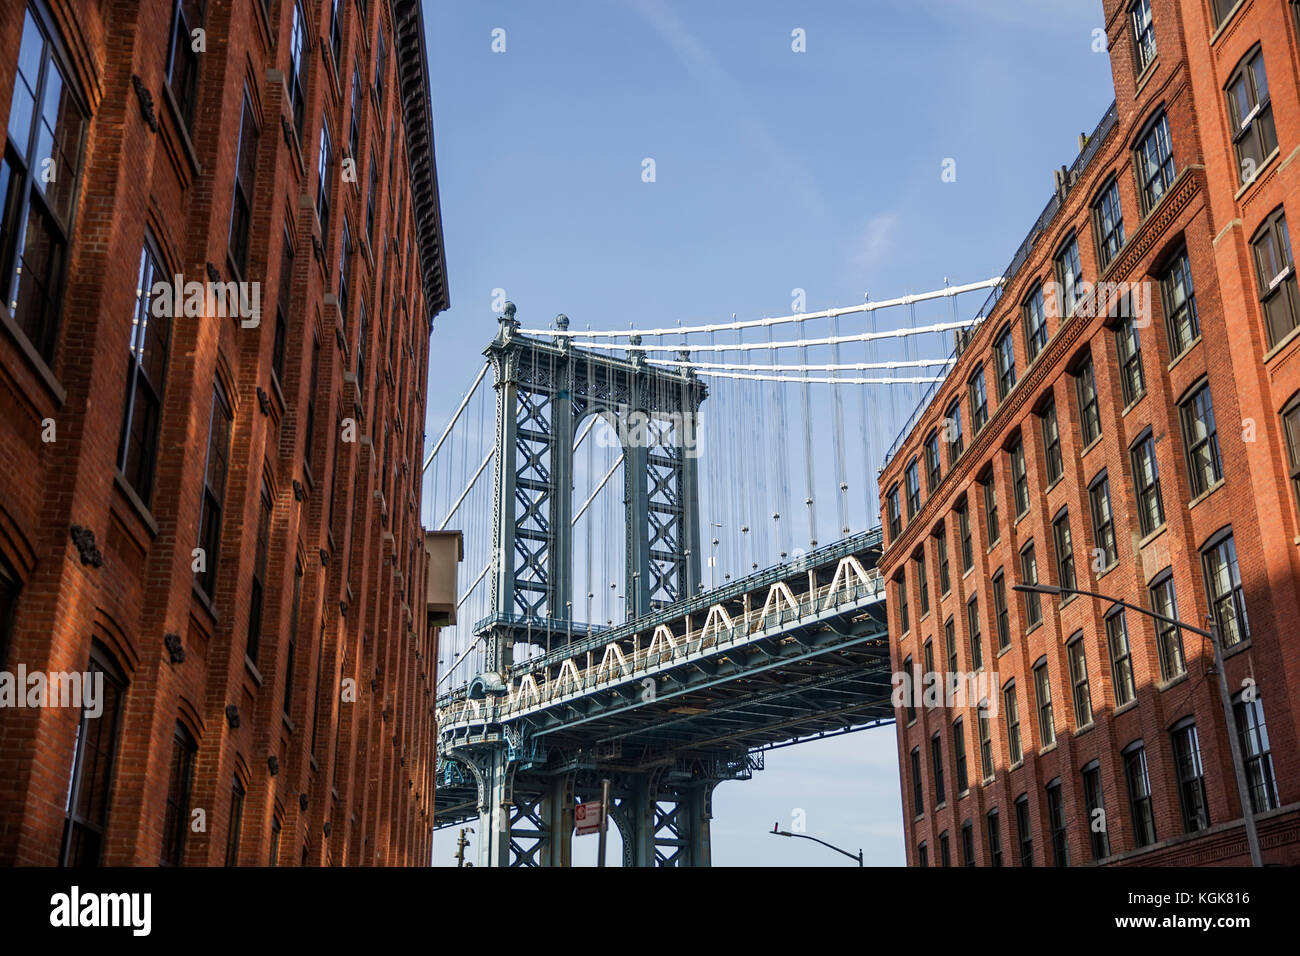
x,y
647,598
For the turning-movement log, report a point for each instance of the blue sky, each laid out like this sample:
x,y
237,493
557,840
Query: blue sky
x,y
774,170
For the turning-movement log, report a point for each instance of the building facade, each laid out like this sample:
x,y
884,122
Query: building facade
x,y
1124,418
221,256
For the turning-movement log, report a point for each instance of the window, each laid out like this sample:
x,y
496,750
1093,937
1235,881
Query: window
x,y
928,652
299,57
895,518
1191,777
918,792
1000,611
9,588
1109,218
944,858
37,225
241,203
176,820
1291,426
1129,349
959,753
950,645
336,32
995,837
1103,525
354,125
1146,484
1251,113
1029,575
991,509
281,340
967,552
941,543
1056,822
1019,479
236,823
904,622
1223,586
1253,735
1052,444
309,431
361,361
922,857
1064,552
1069,275
952,432
1098,840
979,401
1205,469
370,201
1043,690
381,61
1121,664
214,488
258,588
1035,325
1081,693
1139,794
295,609
323,161
1182,324
1004,354
936,761
973,630
1023,833
345,269
986,741
922,583
913,482
183,59
1144,35
932,461
1169,636
1221,10
909,672
275,841
90,787
1013,723
967,844
146,372
1275,274
1089,414
1155,163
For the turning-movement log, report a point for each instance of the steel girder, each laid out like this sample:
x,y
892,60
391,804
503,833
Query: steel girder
x,y
544,391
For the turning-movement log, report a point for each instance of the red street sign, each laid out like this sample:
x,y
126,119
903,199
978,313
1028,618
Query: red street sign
x,y
586,816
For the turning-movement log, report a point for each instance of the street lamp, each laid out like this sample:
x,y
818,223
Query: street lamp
x,y
1225,697
777,831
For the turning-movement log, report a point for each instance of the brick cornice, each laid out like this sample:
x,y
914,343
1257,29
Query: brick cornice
x,y
1047,364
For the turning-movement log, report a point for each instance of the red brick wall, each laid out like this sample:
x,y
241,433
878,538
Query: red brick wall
x,y
369,775
1206,211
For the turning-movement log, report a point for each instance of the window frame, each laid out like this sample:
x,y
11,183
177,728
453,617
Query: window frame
x,y
1108,222
1153,161
1004,357
1202,475
1174,278
1076,653
1146,484
1257,126
1121,658
1281,287
142,478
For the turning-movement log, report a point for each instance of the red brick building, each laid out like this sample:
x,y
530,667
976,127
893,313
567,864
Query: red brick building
x,y
216,508
1141,440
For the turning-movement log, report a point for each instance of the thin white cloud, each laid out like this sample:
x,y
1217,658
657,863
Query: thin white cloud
x,y
730,97
875,243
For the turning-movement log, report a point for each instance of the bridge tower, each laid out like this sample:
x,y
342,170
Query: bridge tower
x,y
545,392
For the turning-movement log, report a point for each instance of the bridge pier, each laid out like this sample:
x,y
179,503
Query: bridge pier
x,y
557,820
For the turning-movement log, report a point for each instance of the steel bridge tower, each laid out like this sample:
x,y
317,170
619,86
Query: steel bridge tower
x,y
545,391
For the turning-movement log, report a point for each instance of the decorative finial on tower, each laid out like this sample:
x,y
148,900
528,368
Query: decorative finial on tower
x,y
636,355
508,324
562,325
